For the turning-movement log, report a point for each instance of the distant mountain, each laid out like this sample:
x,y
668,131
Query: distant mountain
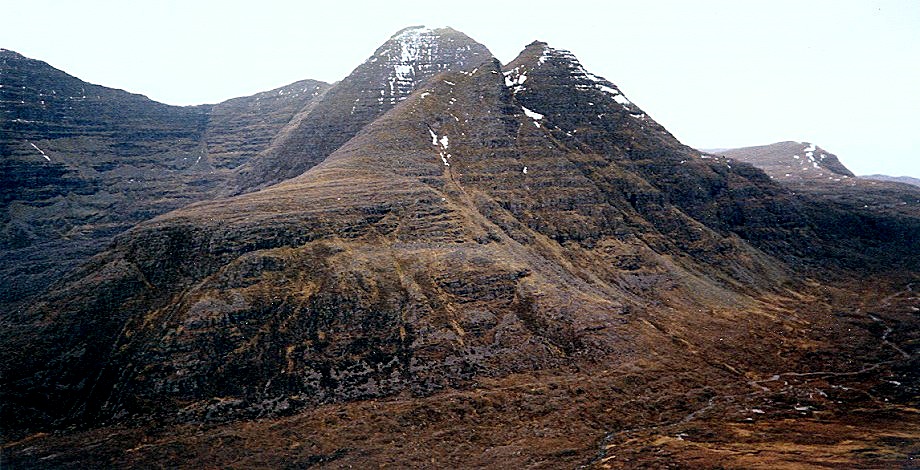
x,y
82,162
397,68
894,179
813,171
790,160
442,261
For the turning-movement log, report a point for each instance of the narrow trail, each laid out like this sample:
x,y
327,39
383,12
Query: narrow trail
x,y
885,302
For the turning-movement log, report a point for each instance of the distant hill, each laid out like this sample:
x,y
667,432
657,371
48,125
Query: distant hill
x,y
809,169
896,179
789,161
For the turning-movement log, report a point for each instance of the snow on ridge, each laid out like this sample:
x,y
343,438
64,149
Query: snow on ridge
x,y
580,74
544,56
413,31
410,52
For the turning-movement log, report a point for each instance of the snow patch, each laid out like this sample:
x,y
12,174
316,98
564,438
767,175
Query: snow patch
x,y
622,100
607,89
515,79
532,114
544,56
40,151
441,142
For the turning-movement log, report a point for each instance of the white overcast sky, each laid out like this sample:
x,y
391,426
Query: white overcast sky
x,y
843,74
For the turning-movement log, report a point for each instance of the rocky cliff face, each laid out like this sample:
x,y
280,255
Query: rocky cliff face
x,y
241,128
82,162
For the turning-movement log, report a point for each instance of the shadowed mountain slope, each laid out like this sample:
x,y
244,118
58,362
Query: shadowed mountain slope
x,y
871,222
82,162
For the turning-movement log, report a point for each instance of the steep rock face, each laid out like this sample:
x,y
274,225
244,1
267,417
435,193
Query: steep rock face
x,y
242,127
398,67
457,236
792,161
82,162
76,158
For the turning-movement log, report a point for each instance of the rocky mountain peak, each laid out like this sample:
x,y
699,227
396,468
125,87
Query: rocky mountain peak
x,y
417,52
540,55
396,69
573,97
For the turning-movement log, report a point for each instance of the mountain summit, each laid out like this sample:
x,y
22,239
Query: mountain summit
x,y
397,68
792,161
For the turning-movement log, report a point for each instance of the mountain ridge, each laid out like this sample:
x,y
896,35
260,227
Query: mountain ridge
x,y
83,162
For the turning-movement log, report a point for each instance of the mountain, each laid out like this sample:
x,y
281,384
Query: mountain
x,y
82,162
895,179
812,172
398,67
799,161
503,266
